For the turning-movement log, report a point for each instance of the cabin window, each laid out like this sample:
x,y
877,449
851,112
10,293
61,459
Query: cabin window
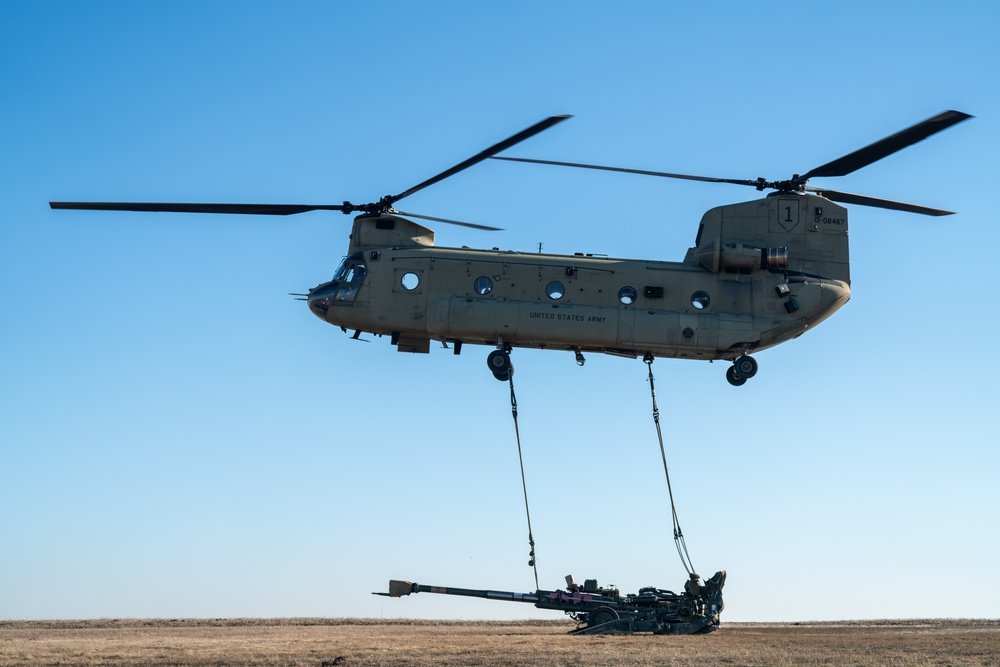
x,y
627,295
555,290
700,300
409,281
483,285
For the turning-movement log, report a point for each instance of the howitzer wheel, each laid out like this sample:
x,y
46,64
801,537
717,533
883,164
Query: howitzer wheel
x,y
601,615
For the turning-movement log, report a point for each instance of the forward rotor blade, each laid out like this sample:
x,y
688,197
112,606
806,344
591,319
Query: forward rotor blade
x,y
880,149
865,200
243,209
450,222
479,157
643,172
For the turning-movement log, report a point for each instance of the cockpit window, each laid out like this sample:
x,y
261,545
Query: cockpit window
x,y
355,274
351,273
346,266
340,270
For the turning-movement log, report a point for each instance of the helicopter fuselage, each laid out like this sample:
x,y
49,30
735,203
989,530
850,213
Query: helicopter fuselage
x,y
761,273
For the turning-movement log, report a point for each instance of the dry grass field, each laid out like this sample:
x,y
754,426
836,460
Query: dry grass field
x,y
353,642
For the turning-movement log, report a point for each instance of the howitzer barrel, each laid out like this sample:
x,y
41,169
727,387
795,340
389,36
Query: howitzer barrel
x,y
400,588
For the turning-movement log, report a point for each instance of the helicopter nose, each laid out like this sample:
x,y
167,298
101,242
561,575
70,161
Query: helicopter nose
x,y
320,299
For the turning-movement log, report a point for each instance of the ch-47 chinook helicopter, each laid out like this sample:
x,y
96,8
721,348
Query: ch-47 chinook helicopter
x,y
760,273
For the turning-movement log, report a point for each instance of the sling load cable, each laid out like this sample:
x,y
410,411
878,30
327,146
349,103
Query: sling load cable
x,y
524,484
682,550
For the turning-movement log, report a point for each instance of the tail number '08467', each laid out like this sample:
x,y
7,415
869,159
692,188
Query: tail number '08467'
x,y
833,221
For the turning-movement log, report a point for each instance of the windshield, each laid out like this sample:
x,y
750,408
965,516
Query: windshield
x,y
340,269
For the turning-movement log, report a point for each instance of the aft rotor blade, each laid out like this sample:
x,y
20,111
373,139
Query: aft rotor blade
x,y
880,149
450,222
865,200
479,157
243,209
643,172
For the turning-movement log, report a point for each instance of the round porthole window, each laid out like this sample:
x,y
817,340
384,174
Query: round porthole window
x,y
555,290
700,300
410,281
483,286
627,295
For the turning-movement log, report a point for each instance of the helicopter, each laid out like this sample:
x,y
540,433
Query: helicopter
x,y
760,272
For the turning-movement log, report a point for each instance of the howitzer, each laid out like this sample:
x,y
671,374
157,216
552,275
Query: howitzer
x,y
606,610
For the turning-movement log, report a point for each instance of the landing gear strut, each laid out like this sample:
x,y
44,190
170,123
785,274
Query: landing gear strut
x,y
744,368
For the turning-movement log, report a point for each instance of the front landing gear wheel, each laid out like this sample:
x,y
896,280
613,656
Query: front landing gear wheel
x,y
506,375
746,366
735,378
499,362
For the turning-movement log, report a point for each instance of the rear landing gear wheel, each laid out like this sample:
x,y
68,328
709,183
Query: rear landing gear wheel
x,y
735,378
746,366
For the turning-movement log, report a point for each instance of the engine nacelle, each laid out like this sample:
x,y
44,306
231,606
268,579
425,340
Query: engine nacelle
x,y
740,258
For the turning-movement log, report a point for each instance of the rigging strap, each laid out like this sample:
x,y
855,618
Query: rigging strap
x,y
524,484
678,534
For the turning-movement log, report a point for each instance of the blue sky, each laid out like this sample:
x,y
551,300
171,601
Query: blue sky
x,y
180,438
